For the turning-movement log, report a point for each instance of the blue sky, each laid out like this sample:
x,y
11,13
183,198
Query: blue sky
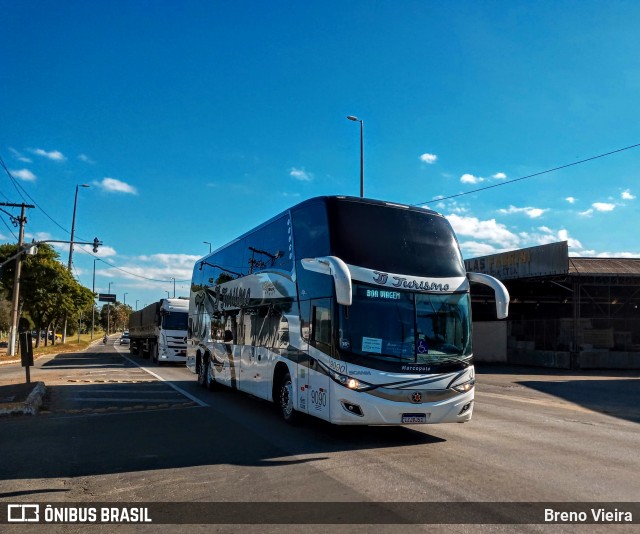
x,y
194,121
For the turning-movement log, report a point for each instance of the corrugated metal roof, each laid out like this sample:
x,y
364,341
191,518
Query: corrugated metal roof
x,y
605,266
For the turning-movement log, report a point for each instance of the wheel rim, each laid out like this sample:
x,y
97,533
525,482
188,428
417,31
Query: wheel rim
x,y
286,399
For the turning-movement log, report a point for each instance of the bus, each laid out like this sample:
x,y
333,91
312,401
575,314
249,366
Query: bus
x,y
353,310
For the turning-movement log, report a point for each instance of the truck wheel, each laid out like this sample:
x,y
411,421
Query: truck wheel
x,y
153,349
285,401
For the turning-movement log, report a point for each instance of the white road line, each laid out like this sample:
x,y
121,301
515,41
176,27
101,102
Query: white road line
x,y
123,390
100,399
185,393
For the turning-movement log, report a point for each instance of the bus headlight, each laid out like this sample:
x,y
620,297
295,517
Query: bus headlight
x,y
465,386
349,382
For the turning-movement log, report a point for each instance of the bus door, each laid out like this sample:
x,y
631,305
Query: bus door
x,y
247,348
259,327
320,336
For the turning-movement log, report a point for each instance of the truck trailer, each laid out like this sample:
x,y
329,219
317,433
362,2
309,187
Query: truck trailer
x,y
159,331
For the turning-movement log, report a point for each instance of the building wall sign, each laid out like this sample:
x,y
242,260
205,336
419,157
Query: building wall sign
x,y
524,263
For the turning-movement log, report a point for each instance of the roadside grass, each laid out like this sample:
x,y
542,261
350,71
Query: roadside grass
x,y
72,345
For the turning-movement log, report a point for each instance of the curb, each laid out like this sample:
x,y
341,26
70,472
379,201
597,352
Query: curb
x,y
30,407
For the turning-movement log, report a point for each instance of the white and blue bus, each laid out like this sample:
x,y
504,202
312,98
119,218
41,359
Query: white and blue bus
x,y
353,310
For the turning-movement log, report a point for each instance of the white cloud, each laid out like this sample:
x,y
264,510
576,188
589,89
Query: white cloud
x,y
428,158
489,230
499,176
563,235
626,195
472,249
54,155
530,212
85,158
116,186
586,213
156,266
19,156
603,206
618,255
570,200
300,174
24,174
103,251
470,179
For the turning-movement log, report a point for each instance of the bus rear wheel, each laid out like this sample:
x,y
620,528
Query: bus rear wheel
x,y
285,401
203,371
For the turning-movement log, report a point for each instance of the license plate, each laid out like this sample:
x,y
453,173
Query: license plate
x,y
414,418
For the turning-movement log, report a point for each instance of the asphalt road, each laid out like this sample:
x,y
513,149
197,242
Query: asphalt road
x,y
113,432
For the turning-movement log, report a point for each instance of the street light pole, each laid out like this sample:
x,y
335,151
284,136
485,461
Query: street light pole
x,y
174,287
73,230
207,243
356,119
109,311
73,223
93,308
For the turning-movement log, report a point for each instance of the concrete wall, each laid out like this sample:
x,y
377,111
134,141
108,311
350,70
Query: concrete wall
x,y
609,360
490,341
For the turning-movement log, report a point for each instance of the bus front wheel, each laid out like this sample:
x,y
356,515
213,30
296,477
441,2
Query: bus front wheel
x,y
285,401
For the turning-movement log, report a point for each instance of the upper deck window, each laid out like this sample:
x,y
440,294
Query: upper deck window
x,y
394,239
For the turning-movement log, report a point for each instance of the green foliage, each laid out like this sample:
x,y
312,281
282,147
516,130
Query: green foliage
x,y
48,291
115,316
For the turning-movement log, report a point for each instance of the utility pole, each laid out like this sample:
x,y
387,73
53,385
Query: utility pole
x,y
22,220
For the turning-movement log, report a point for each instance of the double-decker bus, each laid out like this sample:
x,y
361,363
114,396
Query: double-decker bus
x,y
352,310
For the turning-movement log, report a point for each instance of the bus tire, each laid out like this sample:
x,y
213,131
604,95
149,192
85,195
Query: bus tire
x,y
203,371
285,400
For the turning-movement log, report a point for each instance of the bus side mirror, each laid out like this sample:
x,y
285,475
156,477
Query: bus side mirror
x,y
338,269
502,295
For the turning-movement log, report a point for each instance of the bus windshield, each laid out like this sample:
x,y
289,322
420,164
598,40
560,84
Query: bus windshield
x,y
403,327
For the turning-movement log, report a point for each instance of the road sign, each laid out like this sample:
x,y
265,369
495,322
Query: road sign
x,y
106,297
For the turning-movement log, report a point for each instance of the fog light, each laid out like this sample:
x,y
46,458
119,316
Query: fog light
x,y
352,408
465,408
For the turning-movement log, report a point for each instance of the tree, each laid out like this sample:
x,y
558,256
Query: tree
x,y
48,291
115,316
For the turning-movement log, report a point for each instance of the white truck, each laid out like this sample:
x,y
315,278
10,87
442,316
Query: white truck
x,y
159,331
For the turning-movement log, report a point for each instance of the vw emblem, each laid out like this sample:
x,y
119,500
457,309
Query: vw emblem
x,y
416,397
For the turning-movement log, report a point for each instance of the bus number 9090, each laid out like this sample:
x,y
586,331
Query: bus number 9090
x,y
319,398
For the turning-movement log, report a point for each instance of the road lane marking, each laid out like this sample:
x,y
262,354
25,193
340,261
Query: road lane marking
x,y
101,399
180,390
550,403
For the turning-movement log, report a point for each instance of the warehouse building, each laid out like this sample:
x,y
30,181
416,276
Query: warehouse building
x,y
565,312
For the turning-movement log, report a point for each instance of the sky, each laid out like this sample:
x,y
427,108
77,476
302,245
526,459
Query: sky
x,y
194,121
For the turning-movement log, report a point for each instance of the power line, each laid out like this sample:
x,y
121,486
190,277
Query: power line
x,y
529,175
129,272
19,187
8,227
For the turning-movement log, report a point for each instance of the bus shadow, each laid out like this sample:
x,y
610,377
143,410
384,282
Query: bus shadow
x,y
615,397
235,429
82,360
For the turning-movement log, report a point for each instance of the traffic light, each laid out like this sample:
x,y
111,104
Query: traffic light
x,y
96,244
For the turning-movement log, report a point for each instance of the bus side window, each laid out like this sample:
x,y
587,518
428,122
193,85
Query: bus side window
x,y
321,320
305,320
